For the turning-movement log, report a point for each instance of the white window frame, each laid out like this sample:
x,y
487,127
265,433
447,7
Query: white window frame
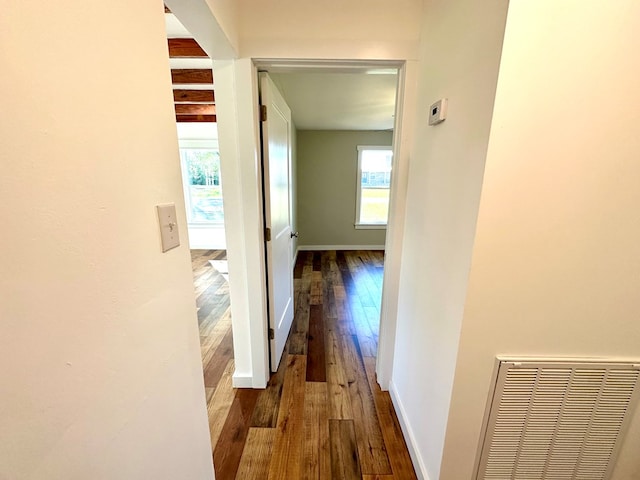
x,y
195,144
358,224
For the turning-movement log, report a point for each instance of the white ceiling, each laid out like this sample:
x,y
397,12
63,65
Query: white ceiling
x,y
340,101
327,100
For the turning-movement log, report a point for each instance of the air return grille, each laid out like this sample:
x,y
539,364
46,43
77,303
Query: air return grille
x,y
556,420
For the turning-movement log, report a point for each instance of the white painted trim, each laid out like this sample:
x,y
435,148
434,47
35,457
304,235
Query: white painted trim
x,y
242,381
339,247
409,437
370,226
402,143
197,17
288,65
238,136
295,258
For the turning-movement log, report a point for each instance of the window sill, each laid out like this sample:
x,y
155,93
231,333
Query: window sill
x,y
370,226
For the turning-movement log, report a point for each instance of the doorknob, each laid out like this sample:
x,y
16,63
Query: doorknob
x,y
294,234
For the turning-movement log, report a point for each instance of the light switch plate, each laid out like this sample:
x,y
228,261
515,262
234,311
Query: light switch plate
x,y
168,226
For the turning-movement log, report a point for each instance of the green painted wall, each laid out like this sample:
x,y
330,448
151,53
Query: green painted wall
x,y
327,163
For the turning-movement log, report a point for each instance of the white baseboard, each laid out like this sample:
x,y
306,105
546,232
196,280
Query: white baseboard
x,y
340,247
418,463
242,381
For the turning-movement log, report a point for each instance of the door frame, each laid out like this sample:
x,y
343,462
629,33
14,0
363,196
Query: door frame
x,y
239,140
395,224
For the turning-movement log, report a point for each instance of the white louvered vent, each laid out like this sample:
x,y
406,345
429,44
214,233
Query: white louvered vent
x,y
556,420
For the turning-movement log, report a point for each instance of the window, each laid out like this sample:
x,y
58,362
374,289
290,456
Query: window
x,y
374,181
202,190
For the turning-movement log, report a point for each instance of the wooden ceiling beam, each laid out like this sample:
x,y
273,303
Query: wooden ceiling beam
x,y
191,76
195,109
195,118
185,48
194,96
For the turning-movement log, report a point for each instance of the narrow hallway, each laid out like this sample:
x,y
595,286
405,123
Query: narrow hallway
x,y
322,415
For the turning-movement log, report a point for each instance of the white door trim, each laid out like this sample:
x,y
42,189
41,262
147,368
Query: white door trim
x,y
238,128
239,142
402,139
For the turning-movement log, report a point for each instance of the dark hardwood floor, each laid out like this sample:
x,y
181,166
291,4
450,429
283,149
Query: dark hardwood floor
x,y
323,415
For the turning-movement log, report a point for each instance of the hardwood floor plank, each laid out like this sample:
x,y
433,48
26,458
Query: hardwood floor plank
x,y
316,452
344,452
367,339
213,337
339,400
373,318
344,323
206,300
284,431
305,281
345,273
286,461
220,403
300,326
297,269
330,279
317,261
203,276
316,361
214,368
256,455
316,288
394,440
220,312
367,276
208,393
371,446
268,405
228,450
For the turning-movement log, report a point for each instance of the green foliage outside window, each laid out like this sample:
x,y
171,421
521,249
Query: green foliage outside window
x,y
203,167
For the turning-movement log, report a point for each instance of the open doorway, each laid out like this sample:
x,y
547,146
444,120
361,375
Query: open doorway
x,y
196,124
342,167
324,388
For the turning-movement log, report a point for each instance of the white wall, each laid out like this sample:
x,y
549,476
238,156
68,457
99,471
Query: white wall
x,y
460,57
226,15
556,261
328,179
355,29
99,351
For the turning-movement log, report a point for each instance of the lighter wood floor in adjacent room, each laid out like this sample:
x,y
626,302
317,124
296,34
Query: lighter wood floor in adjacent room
x,y
323,415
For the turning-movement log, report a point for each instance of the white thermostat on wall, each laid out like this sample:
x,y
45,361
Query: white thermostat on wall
x,y
438,112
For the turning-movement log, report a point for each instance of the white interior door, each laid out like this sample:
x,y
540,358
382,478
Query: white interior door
x,y
276,160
